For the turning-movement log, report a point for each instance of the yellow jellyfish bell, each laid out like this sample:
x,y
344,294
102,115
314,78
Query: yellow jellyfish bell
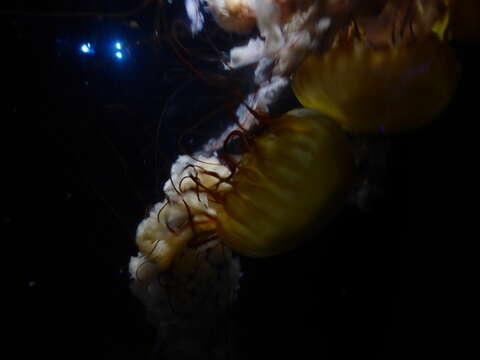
x,y
295,175
369,89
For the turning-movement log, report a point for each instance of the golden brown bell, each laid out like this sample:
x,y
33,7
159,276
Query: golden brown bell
x,y
379,89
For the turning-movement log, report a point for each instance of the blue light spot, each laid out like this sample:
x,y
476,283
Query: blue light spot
x,y
118,45
119,55
86,48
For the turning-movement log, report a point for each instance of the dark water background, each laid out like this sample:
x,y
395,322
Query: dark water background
x,y
78,142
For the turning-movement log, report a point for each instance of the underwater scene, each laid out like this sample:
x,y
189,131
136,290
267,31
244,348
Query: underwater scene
x,y
239,179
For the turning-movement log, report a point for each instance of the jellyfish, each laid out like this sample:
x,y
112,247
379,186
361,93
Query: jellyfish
x,y
382,67
355,68
385,66
383,76
295,172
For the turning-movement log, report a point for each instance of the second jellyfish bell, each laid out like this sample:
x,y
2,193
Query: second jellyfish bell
x,y
369,89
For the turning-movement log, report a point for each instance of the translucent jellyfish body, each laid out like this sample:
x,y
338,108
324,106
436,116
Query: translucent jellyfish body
x,y
295,175
386,89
